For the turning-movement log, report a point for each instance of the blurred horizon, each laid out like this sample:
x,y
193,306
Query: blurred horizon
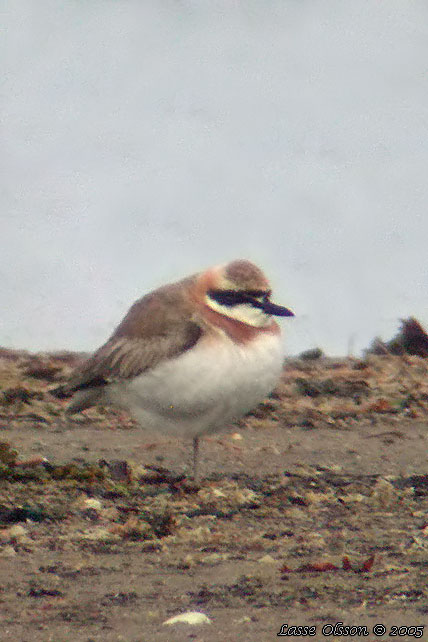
x,y
143,142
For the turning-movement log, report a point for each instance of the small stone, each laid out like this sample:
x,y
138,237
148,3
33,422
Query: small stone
x,y
267,559
244,496
191,617
353,497
384,494
17,532
212,558
140,472
7,551
218,493
187,562
244,620
95,504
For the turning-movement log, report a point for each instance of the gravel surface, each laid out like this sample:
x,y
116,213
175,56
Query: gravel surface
x,y
310,512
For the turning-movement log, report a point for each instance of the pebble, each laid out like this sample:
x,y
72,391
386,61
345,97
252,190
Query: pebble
x,y
213,558
267,559
191,617
7,551
90,502
17,532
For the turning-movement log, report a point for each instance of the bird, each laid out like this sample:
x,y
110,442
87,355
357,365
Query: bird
x,y
191,357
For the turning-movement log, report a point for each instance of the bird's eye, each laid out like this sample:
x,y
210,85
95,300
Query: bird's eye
x,y
257,294
264,296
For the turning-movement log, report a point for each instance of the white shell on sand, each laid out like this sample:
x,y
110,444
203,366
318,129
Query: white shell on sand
x,y
191,617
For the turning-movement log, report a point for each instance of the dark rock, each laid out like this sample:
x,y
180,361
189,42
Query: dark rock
x,y
411,339
311,355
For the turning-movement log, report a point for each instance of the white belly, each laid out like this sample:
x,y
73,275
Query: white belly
x,y
205,389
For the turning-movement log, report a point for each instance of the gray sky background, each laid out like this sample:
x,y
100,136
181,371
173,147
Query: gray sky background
x,y
144,140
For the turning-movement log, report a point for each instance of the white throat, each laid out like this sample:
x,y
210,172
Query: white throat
x,y
244,312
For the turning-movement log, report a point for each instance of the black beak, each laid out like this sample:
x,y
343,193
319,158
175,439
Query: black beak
x,y
276,310
272,308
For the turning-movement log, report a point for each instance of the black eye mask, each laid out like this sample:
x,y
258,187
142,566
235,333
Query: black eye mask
x,y
231,298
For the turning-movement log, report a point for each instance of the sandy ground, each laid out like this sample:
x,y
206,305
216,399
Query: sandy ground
x,y
313,511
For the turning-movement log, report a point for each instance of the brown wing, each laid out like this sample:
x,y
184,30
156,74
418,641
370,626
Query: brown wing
x,y
157,327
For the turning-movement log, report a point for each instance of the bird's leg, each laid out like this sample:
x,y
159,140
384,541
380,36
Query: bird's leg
x,y
195,457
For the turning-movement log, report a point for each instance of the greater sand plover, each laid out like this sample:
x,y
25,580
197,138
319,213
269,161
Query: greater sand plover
x,y
190,357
